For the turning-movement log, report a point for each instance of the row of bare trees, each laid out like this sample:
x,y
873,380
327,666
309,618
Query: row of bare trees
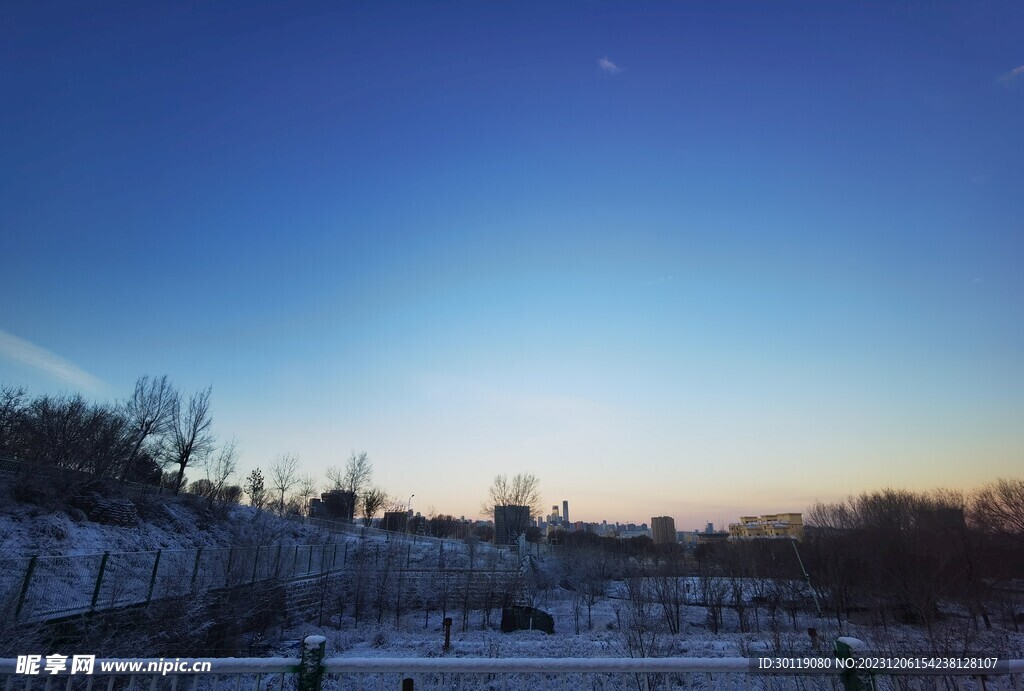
x,y
899,555
357,477
286,490
378,585
156,427
157,435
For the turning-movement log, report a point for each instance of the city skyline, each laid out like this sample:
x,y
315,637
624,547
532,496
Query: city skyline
x,y
698,262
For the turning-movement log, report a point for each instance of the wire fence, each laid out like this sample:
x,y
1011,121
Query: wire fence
x,y
43,588
47,587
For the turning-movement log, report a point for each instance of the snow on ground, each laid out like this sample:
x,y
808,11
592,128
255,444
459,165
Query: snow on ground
x,y
28,529
605,639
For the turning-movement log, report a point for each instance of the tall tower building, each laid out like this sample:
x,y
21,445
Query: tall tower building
x,y
565,510
663,530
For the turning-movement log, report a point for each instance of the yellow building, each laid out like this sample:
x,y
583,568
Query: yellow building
x,y
790,525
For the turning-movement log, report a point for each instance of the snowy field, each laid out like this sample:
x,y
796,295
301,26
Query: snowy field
x,y
417,637
27,529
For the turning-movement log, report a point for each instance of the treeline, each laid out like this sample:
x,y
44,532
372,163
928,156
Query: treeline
x,y
896,555
136,439
936,559
157,435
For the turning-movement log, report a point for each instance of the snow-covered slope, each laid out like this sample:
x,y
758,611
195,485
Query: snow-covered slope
x,y
45,525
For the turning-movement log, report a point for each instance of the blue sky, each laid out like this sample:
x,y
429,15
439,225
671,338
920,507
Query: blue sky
x,y
694,260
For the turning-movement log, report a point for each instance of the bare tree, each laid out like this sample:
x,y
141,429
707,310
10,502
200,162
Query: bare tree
x,y
307,488
639,628
219,469
523,490
372,501
669,590
335,478
999,508
148,412
358,471
284,473
12,405
191,436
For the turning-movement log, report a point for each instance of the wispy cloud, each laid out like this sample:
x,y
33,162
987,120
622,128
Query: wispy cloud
x,y
608,66
1013,74
20,350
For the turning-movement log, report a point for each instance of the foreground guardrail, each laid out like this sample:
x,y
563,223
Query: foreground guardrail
x,y
312,672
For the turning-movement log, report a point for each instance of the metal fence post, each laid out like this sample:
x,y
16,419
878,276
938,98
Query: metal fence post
x,y
227,570
195,571
99,581
152,578
255,564
24,585
277,562
310,664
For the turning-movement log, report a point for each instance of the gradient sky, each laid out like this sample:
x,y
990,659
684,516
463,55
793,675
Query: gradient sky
x,y
695,259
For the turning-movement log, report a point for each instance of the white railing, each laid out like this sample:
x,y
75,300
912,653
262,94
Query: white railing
x,y
641,674
313,672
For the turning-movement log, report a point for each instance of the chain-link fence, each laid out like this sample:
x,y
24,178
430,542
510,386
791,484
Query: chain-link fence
x,y
50,587
43,588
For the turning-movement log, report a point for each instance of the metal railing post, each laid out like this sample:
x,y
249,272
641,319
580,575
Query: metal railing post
x,y
311,669
255,565
152,578
24,585
99,581
195,571
277,562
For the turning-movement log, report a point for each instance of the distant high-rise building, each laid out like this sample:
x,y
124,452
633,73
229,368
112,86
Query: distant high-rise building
x,y
395,521
565,510
509,523
338,505
663,530
787,525
709,529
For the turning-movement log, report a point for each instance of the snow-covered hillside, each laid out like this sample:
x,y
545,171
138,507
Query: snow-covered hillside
x,y
34,522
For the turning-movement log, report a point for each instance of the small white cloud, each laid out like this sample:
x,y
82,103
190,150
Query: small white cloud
x,y
1013,74
20,350
608,66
